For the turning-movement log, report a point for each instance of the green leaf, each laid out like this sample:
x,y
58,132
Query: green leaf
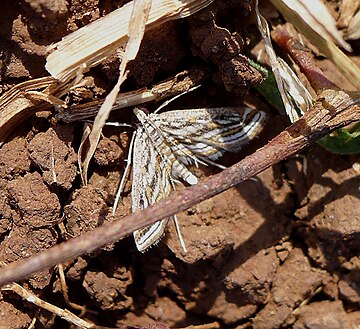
x,y
343,141
268,87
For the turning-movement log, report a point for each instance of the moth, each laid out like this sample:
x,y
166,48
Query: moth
x,y
164,144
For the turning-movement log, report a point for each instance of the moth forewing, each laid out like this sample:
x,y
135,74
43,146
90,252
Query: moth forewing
x,y
209,132
148,186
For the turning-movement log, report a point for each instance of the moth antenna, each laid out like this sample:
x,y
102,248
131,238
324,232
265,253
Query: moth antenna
x,y
175,97
125,173
111,124
118,124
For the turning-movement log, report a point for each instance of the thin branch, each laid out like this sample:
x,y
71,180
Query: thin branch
x,y
65,291
178,84
62,313
213,325
333,109
302,58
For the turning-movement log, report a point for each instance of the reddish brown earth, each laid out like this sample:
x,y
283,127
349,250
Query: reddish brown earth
x,y
280,250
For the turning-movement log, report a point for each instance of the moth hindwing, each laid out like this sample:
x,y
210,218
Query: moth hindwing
x,y
165,143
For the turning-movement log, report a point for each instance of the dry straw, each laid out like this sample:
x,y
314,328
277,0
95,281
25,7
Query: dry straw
x,y
92,44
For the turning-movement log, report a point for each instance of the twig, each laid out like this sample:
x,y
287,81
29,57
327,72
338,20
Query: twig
x,y
302,57
176,85
64,288
213,325
349,69
307,300
63,313
333,109
32,323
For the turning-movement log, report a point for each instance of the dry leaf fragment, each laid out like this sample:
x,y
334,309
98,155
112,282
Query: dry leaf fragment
x,y
83,150
23,100
353,30
295,96
180,83
348,9
139,17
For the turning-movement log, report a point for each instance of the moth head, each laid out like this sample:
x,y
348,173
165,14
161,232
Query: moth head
x,y
141,109
140,114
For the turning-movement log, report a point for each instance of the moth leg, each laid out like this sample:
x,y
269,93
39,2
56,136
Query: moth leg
x,y
177,227
208,161
125,174
178,232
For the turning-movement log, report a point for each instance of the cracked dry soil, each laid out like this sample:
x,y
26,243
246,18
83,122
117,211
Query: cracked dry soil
x,y
281,250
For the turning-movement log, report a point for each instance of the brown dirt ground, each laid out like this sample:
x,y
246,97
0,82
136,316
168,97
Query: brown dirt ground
x,y
280,250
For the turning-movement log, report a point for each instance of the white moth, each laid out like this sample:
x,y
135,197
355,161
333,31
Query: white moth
x,y
163,144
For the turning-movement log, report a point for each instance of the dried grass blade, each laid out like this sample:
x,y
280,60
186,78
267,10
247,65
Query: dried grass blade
x,y
93,43
139,17
83,150
180,83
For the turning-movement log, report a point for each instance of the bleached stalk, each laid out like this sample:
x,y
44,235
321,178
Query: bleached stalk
x,y
93,43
